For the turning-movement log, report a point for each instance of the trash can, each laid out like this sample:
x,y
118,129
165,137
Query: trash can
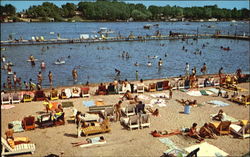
x,y
187,109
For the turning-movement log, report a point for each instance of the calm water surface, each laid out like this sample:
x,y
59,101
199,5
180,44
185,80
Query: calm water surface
x,y
96,62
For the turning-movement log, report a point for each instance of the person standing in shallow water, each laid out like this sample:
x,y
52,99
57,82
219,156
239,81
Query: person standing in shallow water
x,y
50,79
40,78
74,74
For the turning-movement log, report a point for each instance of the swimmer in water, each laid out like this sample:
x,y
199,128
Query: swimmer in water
x,y
160,63
136,64
149,64
43,66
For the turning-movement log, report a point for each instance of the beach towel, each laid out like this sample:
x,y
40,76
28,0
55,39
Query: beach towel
x,y
184,90
88,103
207,150
159,102
172,147
99,103
7,107
194,93
218,103
215,91
160,95
226,118
144,97
67,104
17,126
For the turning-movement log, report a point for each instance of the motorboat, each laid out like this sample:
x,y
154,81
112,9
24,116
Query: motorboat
x,y
58,62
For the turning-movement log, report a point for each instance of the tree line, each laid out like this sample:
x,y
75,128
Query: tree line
x,y
115,11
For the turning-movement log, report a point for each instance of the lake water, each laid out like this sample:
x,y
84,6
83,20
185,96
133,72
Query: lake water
x,y
96,62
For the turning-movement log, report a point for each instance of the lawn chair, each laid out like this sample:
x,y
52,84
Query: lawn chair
x,y
221,128
109,112
121,89
166,85
129,110
217,81
95,128
111,89
133,122
159,86
85,92
39,95
18,149
140,89
65,93
201,82
27,97
54,95
144,120
75,92
5,98
15,98
28,123
240,131
152,87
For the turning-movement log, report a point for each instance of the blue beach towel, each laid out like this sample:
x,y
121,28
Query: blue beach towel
x,y
218,103
88,103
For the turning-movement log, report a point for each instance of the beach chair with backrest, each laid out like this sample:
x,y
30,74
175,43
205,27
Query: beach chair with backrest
x,y
65,93
28,123
95,128
75,92
85,92
54,95
15,98
129,110
159,86
140,89
111,89
5,98
18,149
27,97
152,87
109,112
221,128
144,120
133,122
217,81
241,131
39,95
166,85
201,82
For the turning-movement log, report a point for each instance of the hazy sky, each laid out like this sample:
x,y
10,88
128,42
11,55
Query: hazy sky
x,y
229,4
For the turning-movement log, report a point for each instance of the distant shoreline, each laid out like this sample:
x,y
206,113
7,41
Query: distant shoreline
x,y
102,21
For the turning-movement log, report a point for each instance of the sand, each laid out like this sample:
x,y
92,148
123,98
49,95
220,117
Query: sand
x,y
122,142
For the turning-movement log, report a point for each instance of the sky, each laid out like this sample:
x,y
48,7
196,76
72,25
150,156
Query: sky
x,y
229,4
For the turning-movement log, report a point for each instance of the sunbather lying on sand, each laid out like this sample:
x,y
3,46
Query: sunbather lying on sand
x,y
153,112
187,102
220,116
89,140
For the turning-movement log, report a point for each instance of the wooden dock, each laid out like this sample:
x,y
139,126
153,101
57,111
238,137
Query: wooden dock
x,y
117,39
232,37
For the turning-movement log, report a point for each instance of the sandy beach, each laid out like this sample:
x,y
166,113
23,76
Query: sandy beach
x,y
122,142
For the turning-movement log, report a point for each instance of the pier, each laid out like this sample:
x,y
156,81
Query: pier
x,y
118,39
